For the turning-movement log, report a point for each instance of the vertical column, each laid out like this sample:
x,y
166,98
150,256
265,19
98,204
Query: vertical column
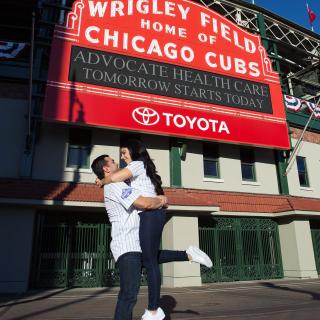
x,y
297,249
178,234
16,235
281,166
175,164
279,158
262,30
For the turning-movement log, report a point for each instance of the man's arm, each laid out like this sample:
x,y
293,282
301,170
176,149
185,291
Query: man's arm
x,y
147,203
127,197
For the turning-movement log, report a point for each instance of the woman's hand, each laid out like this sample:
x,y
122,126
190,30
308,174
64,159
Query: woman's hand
x,y
164,201
102,182
99,182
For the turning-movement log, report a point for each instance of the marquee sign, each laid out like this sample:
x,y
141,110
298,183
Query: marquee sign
x,y
166,67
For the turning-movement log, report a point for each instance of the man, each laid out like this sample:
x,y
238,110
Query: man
x,y
121,202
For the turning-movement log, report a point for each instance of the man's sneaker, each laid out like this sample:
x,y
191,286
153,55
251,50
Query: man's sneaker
x,y
199,256
149,316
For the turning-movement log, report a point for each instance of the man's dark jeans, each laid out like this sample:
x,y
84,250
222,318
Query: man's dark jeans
x,y
129,265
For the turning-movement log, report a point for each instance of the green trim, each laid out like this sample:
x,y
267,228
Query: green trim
x,y
175,164
315,233
276,61
300,120
281,166
262,30
279,158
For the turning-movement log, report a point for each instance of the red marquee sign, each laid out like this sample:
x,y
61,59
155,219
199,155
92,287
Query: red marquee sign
x,y
165,67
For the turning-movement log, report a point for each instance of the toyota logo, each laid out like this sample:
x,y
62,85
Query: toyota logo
x,y
145,116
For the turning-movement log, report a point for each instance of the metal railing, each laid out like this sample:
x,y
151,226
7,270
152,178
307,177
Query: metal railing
x,y
241,249
74,256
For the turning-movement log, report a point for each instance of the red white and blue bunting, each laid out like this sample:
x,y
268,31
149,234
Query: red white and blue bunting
x,y
297,105
10,50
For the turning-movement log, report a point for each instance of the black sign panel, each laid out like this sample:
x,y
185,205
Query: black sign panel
x,y
129,73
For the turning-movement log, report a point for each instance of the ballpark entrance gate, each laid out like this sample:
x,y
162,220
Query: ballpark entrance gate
x,y
241,249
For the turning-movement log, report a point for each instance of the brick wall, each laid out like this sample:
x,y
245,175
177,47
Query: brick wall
x,y
312,137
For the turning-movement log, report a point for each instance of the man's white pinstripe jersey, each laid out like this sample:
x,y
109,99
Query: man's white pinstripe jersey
x,y
124,218
140,180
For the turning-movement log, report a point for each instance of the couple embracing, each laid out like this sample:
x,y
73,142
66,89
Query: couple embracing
x,y
135,203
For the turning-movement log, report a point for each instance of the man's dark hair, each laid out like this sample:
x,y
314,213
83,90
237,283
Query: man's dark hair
x,y
97,166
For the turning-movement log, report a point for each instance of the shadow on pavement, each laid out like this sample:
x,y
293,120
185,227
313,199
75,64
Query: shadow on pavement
x,y
168,304
7,306
27,297
314,295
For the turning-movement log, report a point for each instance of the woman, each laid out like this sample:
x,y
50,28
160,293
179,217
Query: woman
x,y
141,173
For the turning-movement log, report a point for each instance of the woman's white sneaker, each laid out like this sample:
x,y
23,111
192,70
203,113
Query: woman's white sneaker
x,y
149,316
199,256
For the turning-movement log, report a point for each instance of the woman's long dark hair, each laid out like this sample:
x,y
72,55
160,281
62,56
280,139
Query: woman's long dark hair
x,y
138,152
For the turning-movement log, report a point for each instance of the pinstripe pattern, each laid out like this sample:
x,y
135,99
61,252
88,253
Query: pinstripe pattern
x,y
140,180
124,219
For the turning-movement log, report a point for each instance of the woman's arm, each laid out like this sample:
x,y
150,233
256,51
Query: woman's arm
x,y
119,176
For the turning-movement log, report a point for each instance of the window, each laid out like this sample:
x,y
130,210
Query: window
x,y
211,160
79,148
302,171
247,164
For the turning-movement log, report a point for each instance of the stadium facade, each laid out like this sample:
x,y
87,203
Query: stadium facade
x,y
221,92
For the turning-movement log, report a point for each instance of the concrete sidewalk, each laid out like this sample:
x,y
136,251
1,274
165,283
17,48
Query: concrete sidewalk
x,y
269,299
